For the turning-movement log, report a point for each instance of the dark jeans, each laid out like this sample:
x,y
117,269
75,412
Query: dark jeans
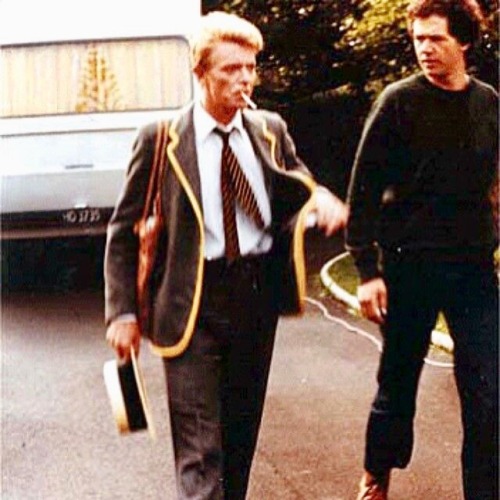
x,y
467,294
216,389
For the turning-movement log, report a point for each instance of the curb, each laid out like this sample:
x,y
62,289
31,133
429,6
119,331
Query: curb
x,y
439,339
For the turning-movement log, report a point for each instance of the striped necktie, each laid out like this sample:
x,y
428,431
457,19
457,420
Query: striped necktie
x,y
235,187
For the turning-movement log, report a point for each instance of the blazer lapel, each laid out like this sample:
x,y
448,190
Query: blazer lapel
x,y
183,152
263,143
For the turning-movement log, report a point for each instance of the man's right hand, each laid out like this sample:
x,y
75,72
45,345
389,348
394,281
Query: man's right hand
x,y
122,336
372,297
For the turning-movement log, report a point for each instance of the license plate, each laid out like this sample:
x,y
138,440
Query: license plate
x,y
82,216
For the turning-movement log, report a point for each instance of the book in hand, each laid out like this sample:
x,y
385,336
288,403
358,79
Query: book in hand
x,y
127,395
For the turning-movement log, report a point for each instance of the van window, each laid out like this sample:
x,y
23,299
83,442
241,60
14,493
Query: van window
x,y
93,77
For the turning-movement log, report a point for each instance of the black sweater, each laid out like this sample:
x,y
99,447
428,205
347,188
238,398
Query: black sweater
x,y
423,175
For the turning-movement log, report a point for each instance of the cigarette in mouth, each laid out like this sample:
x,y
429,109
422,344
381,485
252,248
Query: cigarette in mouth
x,y
249,101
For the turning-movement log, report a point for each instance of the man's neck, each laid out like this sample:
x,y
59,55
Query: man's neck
x,y
454,83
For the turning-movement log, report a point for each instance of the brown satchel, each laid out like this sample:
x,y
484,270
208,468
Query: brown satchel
x,y
149,227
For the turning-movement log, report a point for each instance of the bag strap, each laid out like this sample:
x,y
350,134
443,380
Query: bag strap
x,y
157,169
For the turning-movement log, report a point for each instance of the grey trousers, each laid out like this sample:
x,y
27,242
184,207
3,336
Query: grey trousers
x,y
216,389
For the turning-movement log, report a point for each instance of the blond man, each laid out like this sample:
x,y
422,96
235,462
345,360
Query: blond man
x,y
236,197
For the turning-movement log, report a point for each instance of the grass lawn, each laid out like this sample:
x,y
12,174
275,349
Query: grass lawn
x,y
344,273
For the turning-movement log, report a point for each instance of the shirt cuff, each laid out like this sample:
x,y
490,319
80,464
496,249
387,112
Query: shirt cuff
x,y
126,318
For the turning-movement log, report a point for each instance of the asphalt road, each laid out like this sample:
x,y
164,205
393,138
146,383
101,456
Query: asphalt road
x,y
58,437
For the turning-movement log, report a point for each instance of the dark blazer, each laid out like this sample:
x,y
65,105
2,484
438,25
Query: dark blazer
x,y
178,278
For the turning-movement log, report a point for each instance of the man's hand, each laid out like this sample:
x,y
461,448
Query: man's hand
x,y
331,213
372,296
122,336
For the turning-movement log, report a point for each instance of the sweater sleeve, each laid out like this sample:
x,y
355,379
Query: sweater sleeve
x,y
367,183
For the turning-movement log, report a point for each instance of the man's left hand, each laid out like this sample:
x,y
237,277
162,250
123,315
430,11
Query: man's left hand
x,y
331,212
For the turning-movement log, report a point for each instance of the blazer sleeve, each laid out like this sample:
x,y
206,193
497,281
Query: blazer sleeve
x,y
120,260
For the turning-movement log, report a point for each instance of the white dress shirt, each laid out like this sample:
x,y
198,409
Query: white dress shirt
x,y
252,240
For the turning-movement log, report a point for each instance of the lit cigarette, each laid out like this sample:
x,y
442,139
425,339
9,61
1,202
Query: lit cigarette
x,y
249,101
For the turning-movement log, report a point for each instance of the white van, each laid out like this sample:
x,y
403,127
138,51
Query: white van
x,y
78,79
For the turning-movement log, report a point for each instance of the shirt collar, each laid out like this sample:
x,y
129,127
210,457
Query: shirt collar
x,y
205,123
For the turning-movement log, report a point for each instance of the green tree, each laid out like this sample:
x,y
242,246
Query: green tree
x,y
379,42
302,58
317,49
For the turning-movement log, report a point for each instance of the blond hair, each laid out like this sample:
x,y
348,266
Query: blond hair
x,y
218,27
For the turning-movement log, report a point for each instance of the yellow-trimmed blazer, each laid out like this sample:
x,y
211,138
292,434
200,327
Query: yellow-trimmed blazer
x,y
178,277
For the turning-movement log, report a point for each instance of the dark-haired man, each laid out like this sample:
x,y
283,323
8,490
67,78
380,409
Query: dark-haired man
x,y
422,231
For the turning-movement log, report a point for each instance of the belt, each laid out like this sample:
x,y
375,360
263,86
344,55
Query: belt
x,y
215,269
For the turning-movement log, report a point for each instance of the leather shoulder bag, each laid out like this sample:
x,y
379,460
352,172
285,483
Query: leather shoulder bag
x,y
149,227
